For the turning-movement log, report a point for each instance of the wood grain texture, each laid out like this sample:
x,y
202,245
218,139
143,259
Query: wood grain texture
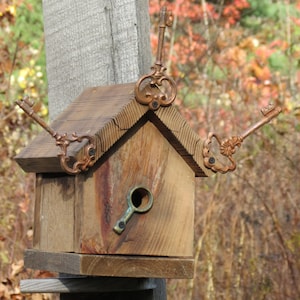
x,y
143,158
54,215
107,113
94,112
181,136
93,43
88,206
37,212
110,265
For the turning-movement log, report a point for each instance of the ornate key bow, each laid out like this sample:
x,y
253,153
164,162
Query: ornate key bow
x,y
228,146
157,89
63,141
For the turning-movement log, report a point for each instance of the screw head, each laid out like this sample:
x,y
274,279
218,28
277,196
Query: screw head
x,y
122,224
92,151
211,160
154,104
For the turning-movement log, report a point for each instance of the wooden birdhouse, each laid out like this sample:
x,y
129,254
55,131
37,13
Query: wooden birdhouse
x,y
137,200
117,197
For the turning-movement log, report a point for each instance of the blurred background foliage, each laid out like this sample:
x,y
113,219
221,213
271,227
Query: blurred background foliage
x,y
229,58
22,71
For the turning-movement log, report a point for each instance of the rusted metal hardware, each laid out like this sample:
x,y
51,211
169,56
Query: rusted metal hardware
x,y
228,146
156,88
139,200
63,141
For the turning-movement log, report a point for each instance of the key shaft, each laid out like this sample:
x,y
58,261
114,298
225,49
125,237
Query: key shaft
x,y
27,106
269,113
228,146
166,19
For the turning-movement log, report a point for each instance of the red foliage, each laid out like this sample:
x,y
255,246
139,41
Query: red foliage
x,y
188,49
232,12
196,11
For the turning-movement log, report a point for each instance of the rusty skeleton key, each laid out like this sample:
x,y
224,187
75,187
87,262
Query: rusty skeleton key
x,y
228,146
157,89
63,141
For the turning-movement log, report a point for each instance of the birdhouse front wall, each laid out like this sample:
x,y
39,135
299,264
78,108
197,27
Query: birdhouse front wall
x,y
85,208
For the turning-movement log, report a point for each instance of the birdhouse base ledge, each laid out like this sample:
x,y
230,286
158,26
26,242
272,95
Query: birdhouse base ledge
x,y
110,265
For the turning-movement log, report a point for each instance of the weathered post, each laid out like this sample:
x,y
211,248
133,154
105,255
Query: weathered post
x,y
94,43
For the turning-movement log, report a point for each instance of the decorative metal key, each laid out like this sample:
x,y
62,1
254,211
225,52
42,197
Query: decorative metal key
x,y
139,200
228,146
157,89
63,141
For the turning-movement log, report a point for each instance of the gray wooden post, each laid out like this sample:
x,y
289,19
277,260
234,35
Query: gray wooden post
x,y
93,43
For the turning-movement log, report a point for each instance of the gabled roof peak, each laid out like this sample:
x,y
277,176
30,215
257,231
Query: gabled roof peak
x,y
107,113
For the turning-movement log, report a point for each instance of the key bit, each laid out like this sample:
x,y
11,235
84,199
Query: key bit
x,y
228,146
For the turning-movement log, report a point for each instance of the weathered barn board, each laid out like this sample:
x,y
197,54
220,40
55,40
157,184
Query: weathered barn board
x,y
53,212
144,159
111,265
93,43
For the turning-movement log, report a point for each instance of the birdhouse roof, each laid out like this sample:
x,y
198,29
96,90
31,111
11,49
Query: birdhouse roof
x,y
107,113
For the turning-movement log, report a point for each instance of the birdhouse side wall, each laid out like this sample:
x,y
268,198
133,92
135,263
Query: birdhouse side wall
x,y
54,212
